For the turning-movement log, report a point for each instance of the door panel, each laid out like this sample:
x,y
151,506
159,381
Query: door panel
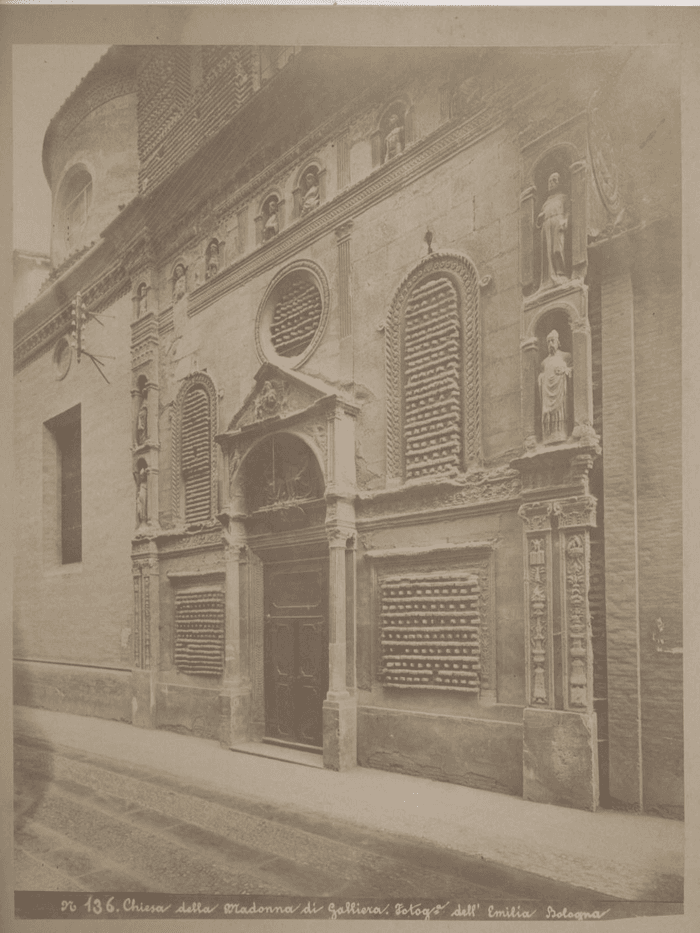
x,y
296,650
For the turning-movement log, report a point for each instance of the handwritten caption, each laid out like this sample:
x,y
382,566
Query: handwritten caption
x,y
43,905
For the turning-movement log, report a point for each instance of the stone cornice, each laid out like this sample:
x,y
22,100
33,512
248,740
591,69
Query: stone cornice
x,y
419,159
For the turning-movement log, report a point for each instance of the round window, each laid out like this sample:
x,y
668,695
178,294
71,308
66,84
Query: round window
x,y
292,315
61,358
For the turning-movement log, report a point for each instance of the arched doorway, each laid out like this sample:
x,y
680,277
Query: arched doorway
x,y
284,492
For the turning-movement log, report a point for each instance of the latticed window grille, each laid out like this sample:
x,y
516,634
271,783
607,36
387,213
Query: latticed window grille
x,y
430,628
296,316
199,632
432,368
196,454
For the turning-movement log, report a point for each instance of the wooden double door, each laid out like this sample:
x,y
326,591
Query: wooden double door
x,y
296,650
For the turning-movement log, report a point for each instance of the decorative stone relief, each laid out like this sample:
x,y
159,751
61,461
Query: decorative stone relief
x,y
272,399
199,632
554,386
142,300
603,158
576,619
430,628
142,422
141,571
537,587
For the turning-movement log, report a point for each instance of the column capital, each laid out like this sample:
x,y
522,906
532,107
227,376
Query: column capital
x,y
344,230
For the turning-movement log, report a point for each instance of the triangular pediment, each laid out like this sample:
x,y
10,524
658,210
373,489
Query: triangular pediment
x,y
278,394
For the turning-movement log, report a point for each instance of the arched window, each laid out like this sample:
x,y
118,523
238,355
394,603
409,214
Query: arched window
x,y
194,467
74,207
433,405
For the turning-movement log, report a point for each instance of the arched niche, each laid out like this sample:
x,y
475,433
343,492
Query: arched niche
x,y
394,131
553,228
554,422
279,485
270,218
309,188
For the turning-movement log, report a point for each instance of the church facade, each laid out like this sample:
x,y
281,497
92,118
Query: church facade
x,y
338,418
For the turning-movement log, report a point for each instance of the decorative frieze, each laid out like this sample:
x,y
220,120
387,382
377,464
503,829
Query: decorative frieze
x,y
430,628
199,632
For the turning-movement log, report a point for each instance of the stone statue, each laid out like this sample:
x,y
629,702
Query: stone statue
x,y
142,300
272,224
553,220
393,143
212,260
554,390
179,282
141,496
142,423
312,196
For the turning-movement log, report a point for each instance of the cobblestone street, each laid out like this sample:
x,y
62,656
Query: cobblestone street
x,y
87,823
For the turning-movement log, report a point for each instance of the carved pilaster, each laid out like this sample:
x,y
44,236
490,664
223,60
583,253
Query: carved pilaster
x,y
527,227
538,601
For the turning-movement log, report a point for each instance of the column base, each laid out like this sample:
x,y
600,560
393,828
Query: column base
x,y
234,716
143,699
560,758
340,733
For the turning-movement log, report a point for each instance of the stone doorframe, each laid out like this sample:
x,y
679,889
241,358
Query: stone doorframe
x,y
284,402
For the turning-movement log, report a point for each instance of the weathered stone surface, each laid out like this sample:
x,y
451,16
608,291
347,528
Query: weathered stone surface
x,y
560,758
476,752
340,734
188,709
83,691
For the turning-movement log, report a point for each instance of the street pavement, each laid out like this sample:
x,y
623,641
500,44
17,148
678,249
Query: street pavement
x,y
105,805
88,823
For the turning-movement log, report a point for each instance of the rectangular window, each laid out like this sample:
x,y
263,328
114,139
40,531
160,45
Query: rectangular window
x,y
66,432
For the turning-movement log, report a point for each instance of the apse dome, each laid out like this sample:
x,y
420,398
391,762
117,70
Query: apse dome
x,y
90,154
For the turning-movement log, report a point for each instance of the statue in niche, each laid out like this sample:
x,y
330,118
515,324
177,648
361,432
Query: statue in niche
x,y
272,224
553,382
213,259
393,142
141,478
553,221
142,300
142,422
311,196
179,282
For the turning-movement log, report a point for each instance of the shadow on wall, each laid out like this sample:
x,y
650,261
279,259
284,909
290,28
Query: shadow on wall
x,y
33,764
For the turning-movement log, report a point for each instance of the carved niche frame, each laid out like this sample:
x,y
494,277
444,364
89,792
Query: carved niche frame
x,y
462,272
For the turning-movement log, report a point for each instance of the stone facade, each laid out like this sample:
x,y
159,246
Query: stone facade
x,y
329,348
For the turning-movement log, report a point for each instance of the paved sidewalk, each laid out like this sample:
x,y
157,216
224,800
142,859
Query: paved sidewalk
x,y
622,855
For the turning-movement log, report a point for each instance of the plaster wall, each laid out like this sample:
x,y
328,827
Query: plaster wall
x,y
75,613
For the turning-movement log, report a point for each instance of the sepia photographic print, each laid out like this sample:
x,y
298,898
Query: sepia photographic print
x,y
347,505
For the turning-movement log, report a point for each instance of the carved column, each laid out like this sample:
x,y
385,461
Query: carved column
x,y
340,706
529,359
235,696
